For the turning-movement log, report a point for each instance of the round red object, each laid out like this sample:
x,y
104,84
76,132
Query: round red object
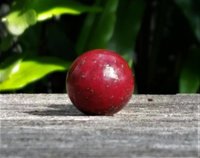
x,y
100,82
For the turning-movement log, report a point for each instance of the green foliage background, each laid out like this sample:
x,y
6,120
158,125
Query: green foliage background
x,y
160,39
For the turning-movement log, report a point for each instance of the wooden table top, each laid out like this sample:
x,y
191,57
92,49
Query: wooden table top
x,y
49,126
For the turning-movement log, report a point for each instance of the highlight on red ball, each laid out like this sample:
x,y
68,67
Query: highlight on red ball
x,y
100,82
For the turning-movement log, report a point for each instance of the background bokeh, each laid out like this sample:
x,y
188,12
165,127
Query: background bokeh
x,y
160,39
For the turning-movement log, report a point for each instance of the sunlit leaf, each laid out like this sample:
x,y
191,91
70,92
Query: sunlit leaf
x,y
190,74
27,12
7,68
17,21
48,8
31,70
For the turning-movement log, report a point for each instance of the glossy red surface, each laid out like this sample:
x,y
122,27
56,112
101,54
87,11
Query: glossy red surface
x,y
100,82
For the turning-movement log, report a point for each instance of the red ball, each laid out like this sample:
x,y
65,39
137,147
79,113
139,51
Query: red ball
x,y
100,82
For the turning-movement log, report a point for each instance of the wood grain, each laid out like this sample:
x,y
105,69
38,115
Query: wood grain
x,y
48,125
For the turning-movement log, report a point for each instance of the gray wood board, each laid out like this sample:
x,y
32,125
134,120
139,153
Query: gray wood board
x,y
48,125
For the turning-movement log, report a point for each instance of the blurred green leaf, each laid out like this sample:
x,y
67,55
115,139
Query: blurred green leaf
x,y
103,29
17,21
85,31
190,74
28,71
115,28
25,13
48,8
191,9
129,17
98,28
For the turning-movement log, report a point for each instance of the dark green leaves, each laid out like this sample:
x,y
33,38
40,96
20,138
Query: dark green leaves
x,y
22,72
115,28
129,17
191,9
98,29
103,29
190,74
160,33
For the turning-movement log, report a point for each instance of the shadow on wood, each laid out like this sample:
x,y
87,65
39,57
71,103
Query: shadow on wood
x,y
57,110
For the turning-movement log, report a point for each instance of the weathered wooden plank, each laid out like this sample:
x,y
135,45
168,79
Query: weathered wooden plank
x,y
48,125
